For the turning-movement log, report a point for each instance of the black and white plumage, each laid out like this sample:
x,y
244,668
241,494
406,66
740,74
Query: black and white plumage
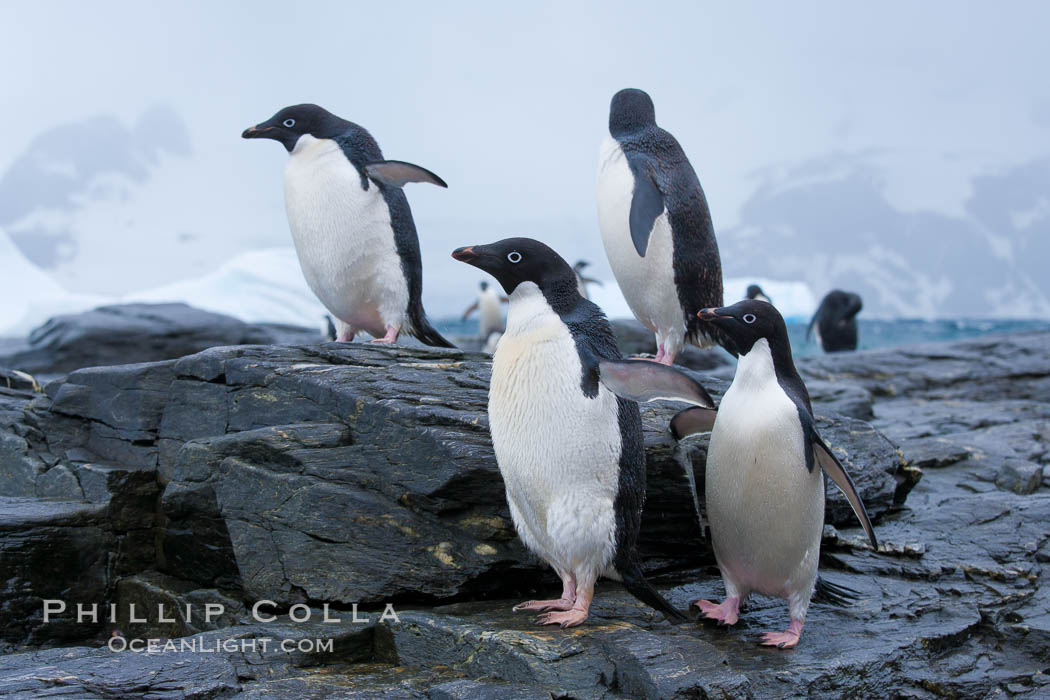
x,y
489,306
763,492
351,223
835,321
582,280
569,450
755,292
656,226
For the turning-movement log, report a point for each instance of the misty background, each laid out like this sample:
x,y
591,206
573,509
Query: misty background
x,y
898,150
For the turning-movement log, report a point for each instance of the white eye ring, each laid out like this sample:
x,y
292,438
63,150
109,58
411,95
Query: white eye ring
x,y
514,256
289,123
749,318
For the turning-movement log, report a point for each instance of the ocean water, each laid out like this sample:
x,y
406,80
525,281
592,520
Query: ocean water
x,y
871,333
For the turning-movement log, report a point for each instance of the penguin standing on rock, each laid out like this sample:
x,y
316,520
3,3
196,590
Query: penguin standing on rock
x,y
490,310
351,223
656,227
764,492
836,321
570,452
582,280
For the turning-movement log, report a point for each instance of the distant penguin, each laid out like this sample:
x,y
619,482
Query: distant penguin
x,y
491,343
581,280
755,292
328,330
489,304
764,496
570,452
656,227
351,223
836,321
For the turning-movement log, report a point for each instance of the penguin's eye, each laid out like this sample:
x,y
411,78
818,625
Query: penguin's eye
x,y
289,123
514,256
749,318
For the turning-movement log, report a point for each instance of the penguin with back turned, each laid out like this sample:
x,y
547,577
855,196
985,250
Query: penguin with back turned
x,y
835,321
656,227
570,452
351,223
764,494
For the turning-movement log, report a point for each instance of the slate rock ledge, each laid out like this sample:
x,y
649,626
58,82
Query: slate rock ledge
x,y
342,474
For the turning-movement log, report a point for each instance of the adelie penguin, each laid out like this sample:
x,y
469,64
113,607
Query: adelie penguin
x,y
570,452
582,280
763,489
351,223
836,321
656,227
490,308
755,292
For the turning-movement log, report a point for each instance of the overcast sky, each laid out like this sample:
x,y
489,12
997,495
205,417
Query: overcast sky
x,y
509,103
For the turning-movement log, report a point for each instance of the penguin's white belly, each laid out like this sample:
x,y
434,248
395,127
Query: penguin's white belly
x,y
765,509
558,451
647,282
491,313
343,238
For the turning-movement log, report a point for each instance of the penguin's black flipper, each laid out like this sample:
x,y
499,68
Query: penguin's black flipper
x,y
646,204
635,583
834,594
398,173
834,469
639,380
691,421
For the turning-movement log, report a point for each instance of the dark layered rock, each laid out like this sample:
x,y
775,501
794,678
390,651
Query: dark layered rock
x,y
51,550
341,474
209,665
980,404
350,473
127,333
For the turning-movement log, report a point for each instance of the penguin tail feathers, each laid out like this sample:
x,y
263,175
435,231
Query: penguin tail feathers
x,y
635,583
427,335
834,594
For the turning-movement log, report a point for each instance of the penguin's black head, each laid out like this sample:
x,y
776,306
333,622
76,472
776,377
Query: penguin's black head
x,y
293,122
516,260
631,110
746,322
754,290
839,306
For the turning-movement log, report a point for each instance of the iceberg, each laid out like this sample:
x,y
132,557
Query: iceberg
x,y
257,286
31,295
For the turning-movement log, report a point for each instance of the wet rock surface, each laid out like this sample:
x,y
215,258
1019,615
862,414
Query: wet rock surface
x,y
124,333
339,474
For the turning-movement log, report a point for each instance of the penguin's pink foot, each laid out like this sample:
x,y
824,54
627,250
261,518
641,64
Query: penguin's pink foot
x,y
345,337
786,639
727,613
569,618
542,605
389,338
